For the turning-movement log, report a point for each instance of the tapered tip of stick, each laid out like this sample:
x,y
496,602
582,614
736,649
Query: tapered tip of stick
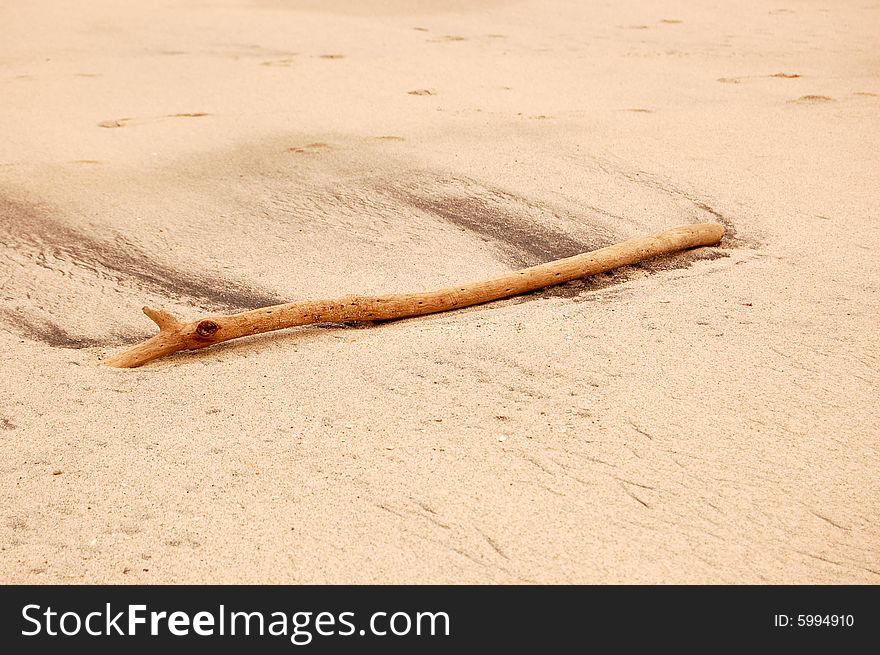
x,y
715,232
164,319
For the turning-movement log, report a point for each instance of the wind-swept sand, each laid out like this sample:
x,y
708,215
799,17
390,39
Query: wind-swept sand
x,y
711,417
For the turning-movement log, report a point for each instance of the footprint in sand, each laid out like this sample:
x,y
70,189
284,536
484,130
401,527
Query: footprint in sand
x,y
448,38
737,80
309,149
812,100
422,92
124,122
287,62
120,122
331,56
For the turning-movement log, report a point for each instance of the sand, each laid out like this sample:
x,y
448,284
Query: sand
x,y
710,417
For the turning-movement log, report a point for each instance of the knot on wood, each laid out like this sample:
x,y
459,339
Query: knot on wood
x,y
207,328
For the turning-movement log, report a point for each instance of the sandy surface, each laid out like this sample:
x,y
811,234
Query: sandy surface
x,y
708,418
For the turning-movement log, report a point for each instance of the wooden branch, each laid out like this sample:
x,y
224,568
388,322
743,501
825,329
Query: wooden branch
x,y
175,335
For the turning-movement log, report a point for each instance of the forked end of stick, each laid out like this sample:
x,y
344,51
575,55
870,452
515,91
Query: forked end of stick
x,y
167,341
163,318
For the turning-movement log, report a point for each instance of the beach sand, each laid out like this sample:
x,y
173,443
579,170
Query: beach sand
x,y
709,417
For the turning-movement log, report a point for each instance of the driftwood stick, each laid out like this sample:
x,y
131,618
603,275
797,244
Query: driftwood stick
x,y
175,335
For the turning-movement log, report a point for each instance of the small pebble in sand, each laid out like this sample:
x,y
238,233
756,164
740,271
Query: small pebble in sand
x,y
502,437
57,472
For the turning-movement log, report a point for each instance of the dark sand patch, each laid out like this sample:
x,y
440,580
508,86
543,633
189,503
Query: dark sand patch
x,y
38,240
499,218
